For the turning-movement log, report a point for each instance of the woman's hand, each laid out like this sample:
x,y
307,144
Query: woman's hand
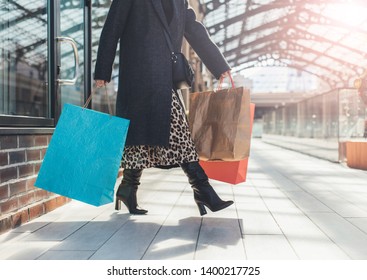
x,y
225,74
100,83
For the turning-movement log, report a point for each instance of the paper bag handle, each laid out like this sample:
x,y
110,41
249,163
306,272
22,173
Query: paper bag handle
x,y
220,84
108,101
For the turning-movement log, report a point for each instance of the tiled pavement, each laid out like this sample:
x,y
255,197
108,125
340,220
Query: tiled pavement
x,y
292,206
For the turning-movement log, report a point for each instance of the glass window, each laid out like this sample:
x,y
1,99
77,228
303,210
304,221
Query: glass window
x,y
23,58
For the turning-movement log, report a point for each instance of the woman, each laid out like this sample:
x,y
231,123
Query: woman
x,y
158,134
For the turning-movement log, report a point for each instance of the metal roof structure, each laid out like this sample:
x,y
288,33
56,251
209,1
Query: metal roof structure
x,y
325,38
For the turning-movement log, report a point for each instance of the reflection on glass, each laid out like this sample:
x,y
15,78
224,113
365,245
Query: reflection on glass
x,y
23,58
72,26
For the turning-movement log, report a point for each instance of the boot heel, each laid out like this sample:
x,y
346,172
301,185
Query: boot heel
x,y
201,207
117,204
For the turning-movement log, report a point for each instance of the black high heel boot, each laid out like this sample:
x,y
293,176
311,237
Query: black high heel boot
x,y
204,194
127,190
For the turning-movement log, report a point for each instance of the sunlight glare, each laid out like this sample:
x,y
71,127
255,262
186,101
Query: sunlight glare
x,y
350,14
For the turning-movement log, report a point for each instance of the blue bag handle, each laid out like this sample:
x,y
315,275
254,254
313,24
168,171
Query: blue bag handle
x,y
108,101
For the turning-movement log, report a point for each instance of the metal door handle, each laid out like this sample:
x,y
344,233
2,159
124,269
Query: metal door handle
x,y
76,60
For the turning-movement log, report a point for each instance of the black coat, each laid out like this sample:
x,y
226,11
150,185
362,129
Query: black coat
x,y
145,79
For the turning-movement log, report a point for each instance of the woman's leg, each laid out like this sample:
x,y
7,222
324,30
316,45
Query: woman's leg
x,y
204,194
127,190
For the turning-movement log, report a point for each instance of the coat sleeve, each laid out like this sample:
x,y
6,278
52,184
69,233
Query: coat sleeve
x,y
199,39
111,33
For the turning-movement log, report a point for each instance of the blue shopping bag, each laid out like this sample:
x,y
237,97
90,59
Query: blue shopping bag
x,y
84,155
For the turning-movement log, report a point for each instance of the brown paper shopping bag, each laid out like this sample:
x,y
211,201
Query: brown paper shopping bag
x,y
233,172
220,123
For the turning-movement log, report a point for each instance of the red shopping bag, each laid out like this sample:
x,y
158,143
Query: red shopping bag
x,y
233,172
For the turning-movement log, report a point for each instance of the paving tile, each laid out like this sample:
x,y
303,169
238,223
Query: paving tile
x,y
356,198
347,236
246,195
94,234
10,243
60,213
220,239
283,205
25,250
55,231
284,183
268,247
307,202
271,194
66,255
132,240
176,240
315,187
340,178
31,226
263,182
361,223
341,206
256,219
306,238
12,236
66,223
177,237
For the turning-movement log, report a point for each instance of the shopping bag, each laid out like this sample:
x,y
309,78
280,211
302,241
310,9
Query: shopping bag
x,y
84,155
233,172
220,123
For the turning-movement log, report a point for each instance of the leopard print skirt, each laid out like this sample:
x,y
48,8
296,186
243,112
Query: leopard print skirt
x,y
181,146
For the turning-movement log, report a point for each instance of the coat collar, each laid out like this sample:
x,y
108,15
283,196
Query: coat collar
x,y
157,4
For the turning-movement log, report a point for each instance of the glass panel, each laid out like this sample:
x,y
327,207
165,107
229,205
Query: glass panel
x,y
23,58
352,118
72,26
312,125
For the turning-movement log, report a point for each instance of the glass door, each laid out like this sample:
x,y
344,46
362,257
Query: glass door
x,y
72,72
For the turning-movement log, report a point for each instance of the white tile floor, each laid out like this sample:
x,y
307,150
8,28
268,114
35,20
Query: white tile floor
x,y
292,206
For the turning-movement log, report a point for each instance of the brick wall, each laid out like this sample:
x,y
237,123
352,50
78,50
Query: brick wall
x,y
20,160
